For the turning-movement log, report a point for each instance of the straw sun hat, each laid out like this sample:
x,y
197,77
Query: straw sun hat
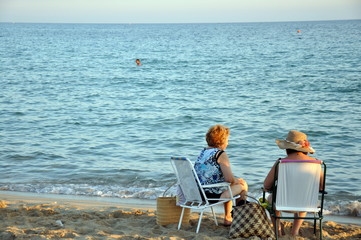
x,y
297,141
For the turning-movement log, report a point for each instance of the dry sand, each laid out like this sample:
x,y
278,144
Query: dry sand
x,y
43,217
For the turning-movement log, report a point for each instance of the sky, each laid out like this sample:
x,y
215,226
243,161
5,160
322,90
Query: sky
x,y
176,11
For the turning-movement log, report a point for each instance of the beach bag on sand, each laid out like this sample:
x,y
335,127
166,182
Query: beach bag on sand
x,y
168,212
250,219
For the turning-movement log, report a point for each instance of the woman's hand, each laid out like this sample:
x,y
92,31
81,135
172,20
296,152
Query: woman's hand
x,y
240,181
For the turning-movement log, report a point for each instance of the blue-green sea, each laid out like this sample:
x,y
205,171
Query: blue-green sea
x,y
78,117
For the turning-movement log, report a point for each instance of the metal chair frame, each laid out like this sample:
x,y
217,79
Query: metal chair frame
x,y
317,215
201,201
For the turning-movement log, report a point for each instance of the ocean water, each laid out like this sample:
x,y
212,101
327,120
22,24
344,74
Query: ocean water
x,y
78,117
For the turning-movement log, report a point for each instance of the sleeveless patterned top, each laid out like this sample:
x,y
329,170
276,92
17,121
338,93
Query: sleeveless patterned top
x,y
208,170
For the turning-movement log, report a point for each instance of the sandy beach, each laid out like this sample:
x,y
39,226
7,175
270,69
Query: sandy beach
x,y
40,216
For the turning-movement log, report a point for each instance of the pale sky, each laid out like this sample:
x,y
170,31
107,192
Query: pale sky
x,y
176,11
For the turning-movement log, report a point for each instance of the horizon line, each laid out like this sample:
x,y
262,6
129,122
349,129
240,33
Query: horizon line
x,y
285,21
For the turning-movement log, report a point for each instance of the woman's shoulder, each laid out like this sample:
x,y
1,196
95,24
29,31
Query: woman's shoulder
x,y
222,157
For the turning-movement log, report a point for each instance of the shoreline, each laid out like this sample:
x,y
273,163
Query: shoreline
x,y
80,201
52,216
124,203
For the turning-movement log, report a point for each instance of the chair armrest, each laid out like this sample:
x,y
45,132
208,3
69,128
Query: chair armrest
x,y
223,184
322,191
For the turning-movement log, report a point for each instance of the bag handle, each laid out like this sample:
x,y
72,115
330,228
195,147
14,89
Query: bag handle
x,y
264,205
254,199
169,188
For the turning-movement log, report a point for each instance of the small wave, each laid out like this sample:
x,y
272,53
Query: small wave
x,y
20,157
341,208
352,208
87,190
19,114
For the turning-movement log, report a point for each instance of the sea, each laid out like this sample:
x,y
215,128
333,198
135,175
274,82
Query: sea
x,y
78,117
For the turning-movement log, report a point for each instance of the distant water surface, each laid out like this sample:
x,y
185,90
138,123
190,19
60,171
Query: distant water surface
x,y
78,116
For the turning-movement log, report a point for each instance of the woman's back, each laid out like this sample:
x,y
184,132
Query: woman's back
x,y
207,168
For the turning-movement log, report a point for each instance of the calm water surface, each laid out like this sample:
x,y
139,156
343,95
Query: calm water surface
x,y
79,117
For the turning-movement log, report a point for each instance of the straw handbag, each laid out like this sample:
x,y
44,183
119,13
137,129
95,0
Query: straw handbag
x,y
168,212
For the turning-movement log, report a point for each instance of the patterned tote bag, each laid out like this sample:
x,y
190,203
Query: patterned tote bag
x,y
249,220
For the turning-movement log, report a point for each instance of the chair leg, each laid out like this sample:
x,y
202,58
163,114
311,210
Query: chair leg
x,y
214,216
314,226
276,228
181,219
199,220
321,229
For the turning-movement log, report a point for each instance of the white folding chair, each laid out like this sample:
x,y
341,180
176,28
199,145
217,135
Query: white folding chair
x,y
297,189
193,191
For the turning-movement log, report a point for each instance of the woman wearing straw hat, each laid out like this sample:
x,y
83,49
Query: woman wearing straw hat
x,y
213,166
297,148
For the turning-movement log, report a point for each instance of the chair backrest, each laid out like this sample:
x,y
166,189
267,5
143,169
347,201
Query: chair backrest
x,y
298,185
187,179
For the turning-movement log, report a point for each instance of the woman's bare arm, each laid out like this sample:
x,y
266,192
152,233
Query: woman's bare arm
x,y
268,182
223,161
